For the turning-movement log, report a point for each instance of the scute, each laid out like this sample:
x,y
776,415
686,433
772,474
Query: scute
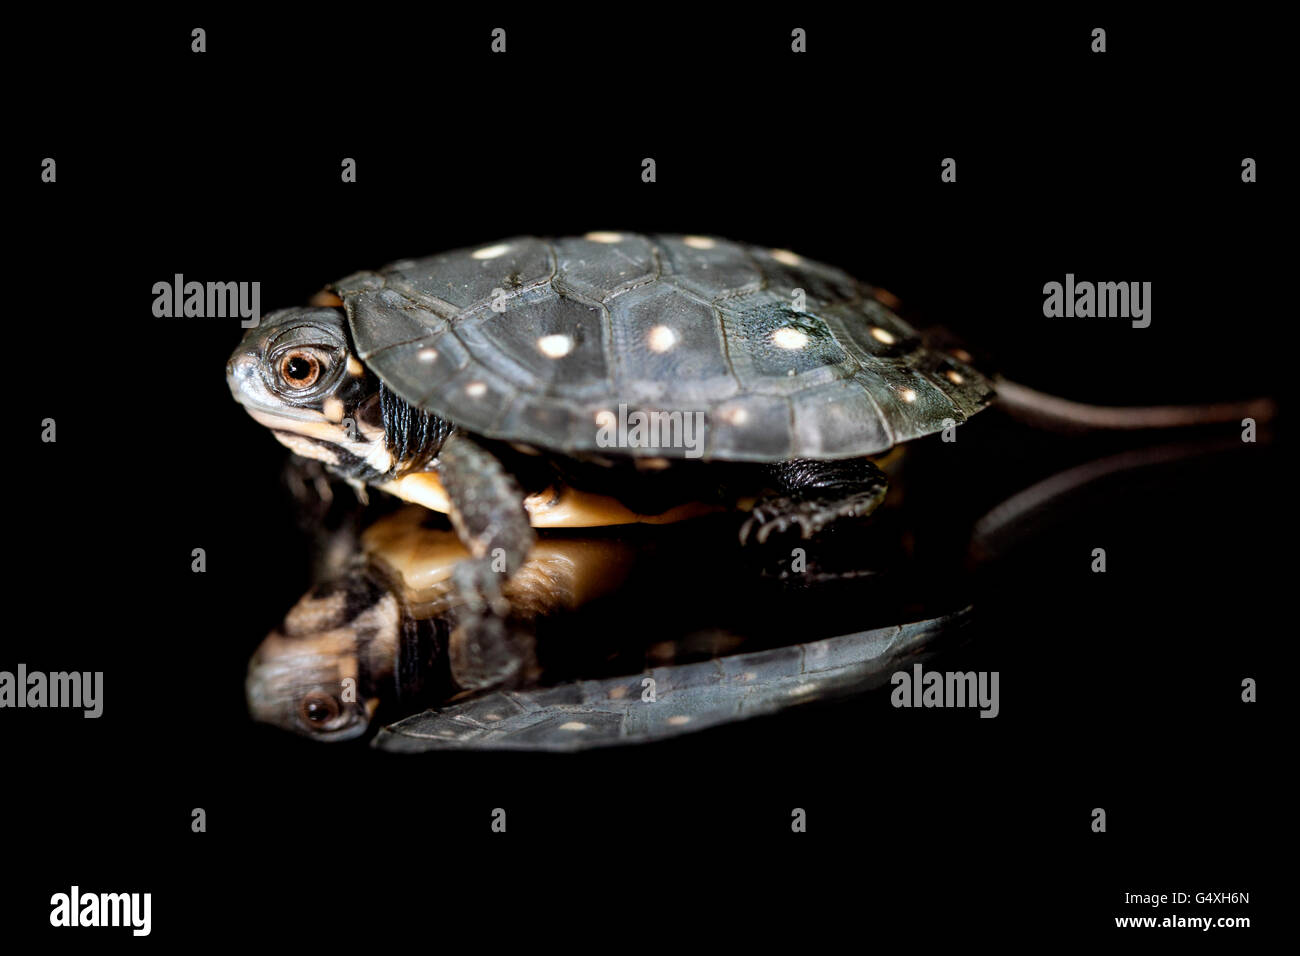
x,y
461,280
663,339
536,341
600,270
543,342
775,349
717,272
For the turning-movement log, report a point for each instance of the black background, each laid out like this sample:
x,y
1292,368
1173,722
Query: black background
x,y
1119,691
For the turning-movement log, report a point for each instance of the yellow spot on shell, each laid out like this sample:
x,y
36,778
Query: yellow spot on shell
x,y
555,346
786,256
605,236
475,389
788,338
427,355
909,395
955,376
699,242
661,338
883,335
490,252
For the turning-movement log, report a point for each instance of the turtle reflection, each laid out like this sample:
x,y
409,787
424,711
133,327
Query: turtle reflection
x,y
605,637
382,634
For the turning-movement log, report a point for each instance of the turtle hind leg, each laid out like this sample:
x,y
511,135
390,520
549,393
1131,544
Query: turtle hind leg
x,y
811,495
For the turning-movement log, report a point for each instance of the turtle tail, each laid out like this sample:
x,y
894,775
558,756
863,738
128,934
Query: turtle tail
x,y
1061,414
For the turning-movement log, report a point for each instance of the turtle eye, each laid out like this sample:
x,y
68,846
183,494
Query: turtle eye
x,y
299,369
318,709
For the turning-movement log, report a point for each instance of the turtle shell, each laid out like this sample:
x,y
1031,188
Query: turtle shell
x,y
543,342
689,697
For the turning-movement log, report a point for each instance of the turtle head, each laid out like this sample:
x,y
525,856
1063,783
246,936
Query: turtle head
x,y
324,671
296,374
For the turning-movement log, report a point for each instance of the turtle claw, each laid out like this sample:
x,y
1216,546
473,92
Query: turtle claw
x,y
777,516
808,516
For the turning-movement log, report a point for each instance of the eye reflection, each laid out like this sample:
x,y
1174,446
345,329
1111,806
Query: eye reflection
x,y
318,709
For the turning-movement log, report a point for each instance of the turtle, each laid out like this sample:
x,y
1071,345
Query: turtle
x,y
602,379
620,378
376,644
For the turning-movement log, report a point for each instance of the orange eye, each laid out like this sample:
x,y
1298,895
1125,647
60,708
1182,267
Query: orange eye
x,y
317,708
299,369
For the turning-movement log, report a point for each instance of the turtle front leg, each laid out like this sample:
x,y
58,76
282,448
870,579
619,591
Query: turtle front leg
x,y
811,495
487,511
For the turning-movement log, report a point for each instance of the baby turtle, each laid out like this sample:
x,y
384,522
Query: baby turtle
x,y
598,380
